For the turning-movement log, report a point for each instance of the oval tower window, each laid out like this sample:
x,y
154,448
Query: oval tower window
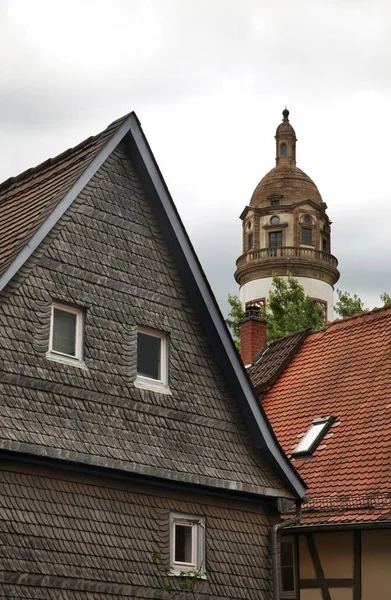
x,y
275,220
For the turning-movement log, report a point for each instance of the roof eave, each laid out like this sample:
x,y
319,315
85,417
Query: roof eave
x,y
207,308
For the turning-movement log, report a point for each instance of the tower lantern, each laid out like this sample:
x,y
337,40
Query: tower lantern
x,y
286,230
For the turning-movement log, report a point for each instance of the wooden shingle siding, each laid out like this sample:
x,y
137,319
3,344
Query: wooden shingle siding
x,y
77,537
107,255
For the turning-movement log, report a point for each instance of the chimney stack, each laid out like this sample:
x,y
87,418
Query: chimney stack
x,y
252,334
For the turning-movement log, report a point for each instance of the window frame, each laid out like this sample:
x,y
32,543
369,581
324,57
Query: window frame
x,y
275,233
310,243
310,449
197,525
289,594
78,357
143,381
250,241
283,150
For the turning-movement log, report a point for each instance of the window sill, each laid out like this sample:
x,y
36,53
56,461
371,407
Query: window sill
x,y
143,383
179,571
72,362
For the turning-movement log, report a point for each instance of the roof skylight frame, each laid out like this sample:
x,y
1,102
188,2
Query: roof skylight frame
x,y
314,434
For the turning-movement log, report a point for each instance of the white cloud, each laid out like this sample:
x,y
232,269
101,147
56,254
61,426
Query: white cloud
x,y
208,81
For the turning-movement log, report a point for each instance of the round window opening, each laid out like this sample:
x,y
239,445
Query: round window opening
x,y
307,219
249,225
275,220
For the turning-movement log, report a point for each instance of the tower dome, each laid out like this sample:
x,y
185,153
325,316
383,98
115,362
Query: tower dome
x,y
286,230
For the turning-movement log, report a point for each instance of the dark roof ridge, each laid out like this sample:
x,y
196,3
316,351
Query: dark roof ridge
x,y
273,359
8,183
269,345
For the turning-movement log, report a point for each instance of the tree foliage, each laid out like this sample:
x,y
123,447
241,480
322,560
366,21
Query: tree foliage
x,y
235,315
385,298
289,309
348,305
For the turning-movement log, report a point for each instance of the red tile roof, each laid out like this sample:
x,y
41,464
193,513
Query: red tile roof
x,y
26,200
343,371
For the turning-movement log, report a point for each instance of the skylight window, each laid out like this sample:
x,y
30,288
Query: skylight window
x,y
313,437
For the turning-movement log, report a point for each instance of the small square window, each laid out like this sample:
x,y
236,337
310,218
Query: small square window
x,y
275,203
152,357
288,572
66,332
187,543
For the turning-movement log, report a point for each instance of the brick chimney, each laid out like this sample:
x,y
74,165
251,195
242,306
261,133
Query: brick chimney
x,y
252,334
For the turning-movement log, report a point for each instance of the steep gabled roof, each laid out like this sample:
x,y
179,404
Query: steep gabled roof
x,y
343,372
28,199
47,191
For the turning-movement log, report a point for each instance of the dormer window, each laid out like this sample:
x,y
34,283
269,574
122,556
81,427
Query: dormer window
x,y
283,150
313,437
275,203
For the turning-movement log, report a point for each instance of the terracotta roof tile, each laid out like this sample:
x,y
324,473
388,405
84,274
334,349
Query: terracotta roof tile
x,y
345,372
26,200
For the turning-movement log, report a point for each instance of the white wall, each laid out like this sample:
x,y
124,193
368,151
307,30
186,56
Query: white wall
x,y
315,288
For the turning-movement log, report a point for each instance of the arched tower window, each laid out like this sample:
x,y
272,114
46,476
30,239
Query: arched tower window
x,y
283,150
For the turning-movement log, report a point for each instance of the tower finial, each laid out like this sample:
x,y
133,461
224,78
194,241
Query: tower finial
x,y
285,141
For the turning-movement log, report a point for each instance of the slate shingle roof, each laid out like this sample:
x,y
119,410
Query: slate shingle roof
x,y
110,254
345,372
26,200
270,362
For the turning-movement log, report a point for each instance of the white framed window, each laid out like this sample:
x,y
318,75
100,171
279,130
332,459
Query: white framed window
x,y
152,359
288,568
66,333
313,437
187,543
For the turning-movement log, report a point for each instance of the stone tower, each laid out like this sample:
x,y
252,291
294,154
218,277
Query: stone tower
x,y
286,230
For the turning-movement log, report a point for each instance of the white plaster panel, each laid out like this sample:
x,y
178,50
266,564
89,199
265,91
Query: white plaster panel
x,y
315,288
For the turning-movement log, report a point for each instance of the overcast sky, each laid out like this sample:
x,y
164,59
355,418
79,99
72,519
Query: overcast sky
x,y
208,80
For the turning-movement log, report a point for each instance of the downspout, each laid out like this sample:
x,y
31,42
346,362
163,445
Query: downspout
x,y
274,547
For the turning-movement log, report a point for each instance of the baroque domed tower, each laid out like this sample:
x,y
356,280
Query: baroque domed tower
x,y
286,230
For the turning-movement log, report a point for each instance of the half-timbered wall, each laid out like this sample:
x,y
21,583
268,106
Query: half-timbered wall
x,y
349,565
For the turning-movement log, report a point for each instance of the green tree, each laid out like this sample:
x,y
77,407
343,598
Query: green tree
x,y
385,298
348,305
289,309
235,315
